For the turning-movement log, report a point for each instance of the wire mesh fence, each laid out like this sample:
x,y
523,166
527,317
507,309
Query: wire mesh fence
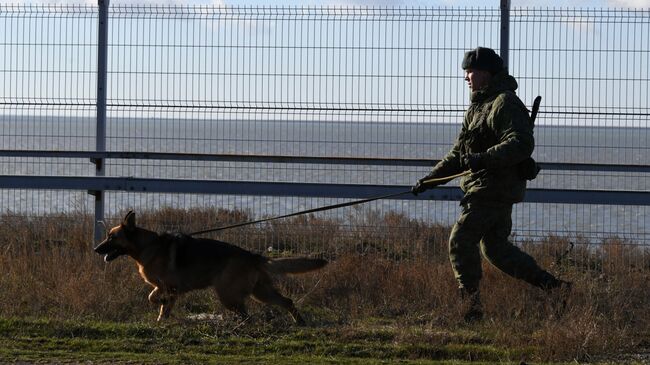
x,y
595,110
323,82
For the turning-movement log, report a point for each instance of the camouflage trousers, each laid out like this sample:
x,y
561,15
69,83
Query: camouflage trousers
x,y
483,228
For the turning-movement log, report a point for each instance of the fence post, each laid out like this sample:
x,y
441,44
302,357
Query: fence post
x,y
505,32
102,55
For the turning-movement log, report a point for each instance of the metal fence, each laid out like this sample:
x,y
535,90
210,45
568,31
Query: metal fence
x,y
276,109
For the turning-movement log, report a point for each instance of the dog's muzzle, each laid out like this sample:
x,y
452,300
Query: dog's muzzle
x,y
110,252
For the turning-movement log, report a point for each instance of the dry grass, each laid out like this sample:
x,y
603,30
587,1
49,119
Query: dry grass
x,y
399,270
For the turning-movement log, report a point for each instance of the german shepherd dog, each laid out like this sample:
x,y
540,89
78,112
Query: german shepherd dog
x,y
175,264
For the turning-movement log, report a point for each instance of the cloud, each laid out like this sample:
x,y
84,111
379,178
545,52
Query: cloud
x,y
462,3
168,2
629,3
53,2
120,2
380,3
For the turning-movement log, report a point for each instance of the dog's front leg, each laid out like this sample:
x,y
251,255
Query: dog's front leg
x,y
165,299
155,296
166,307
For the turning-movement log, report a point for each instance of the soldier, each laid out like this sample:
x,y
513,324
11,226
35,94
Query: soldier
x,y
495,143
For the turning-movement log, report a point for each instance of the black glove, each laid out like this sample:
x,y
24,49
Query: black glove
x,y
475,161
422,186
418,188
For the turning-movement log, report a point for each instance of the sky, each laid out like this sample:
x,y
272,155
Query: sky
x,y
241,60
407,3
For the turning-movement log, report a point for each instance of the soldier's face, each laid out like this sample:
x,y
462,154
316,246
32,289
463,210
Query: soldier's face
x,y
477,79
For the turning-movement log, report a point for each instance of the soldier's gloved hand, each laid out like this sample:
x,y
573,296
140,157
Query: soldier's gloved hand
x,y
422,185
475,161
418,188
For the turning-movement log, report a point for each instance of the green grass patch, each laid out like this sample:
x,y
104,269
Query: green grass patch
x,y
226,342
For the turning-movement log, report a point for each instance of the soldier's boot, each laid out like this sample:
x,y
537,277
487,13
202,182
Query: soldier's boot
x,y
551,284
472,307
557,290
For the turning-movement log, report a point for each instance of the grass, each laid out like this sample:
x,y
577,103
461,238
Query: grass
x,y
387,295
34,340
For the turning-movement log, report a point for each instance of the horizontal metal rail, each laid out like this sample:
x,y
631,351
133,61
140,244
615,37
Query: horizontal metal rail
x,y
296,159
317,106
256,188
219,157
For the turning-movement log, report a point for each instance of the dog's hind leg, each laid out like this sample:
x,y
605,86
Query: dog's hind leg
x,y
234,286
266,293
233,302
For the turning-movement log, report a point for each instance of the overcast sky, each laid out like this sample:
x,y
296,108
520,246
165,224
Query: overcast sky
x,y
485,3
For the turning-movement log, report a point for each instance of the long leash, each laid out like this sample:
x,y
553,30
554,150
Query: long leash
x,y
329,207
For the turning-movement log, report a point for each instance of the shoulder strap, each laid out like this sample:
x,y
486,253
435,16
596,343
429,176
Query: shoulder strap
x,y
533,112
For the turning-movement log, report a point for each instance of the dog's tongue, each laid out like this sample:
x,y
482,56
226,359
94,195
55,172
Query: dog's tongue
x,y
111,256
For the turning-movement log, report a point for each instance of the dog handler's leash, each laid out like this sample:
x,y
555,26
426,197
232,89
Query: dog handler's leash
x,y
329,207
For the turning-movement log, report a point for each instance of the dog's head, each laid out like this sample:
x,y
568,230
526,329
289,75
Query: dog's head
x,y
118,241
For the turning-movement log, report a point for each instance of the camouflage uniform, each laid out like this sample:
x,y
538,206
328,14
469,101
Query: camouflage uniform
x,y
497,126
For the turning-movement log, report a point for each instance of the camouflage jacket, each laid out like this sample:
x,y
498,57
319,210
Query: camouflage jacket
x,y
496,124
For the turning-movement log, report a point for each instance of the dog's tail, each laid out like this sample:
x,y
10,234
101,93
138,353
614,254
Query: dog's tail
x,y
294,265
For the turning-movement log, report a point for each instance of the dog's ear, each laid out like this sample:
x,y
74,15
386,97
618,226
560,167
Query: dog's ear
x,y
129,221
